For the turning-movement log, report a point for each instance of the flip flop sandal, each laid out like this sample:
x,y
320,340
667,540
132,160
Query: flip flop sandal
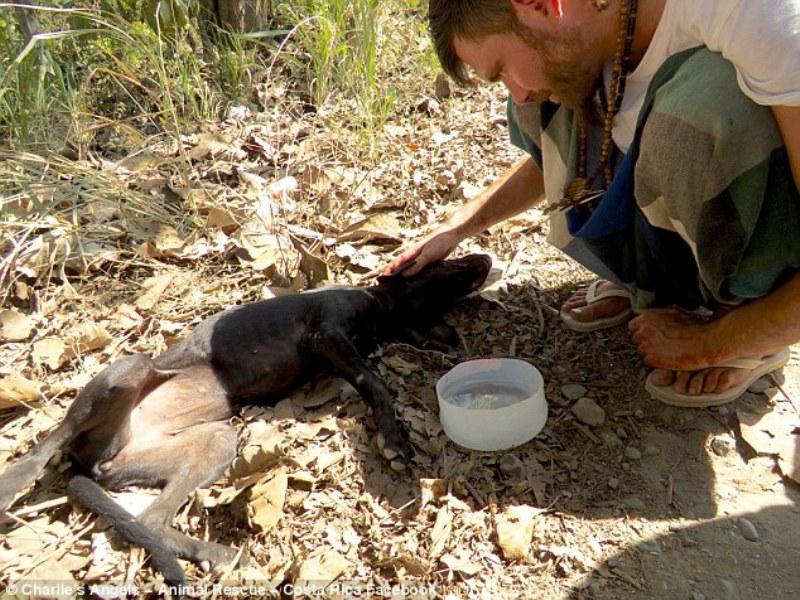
x,y
592,296
759,367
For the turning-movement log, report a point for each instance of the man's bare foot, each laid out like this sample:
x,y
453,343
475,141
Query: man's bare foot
x,y
704,381
603,307
692,356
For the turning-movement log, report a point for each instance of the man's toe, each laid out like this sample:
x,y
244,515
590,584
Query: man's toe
x,y
662,377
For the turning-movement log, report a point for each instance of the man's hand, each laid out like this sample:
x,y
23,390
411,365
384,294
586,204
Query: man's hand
x,y
434,246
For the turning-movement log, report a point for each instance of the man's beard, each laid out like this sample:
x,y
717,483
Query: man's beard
x,y
570,67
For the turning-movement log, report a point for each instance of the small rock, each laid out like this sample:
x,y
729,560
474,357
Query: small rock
x,y
779,377
613,483
573,391
633,453
614,562
638,414
759,385
587,411
721,445
512,466
771,392
651,450
698,596
748,530
651,546
621,433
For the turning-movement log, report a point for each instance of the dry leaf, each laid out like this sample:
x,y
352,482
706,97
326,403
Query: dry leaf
x,y
222,218
90,337
214,145
328,459
126,317
312,266
16,390
152,290
50,351
321,567
515,529
432,490
14,326
441,531
400,365
360,257
459,564
267,498
166,242
379,227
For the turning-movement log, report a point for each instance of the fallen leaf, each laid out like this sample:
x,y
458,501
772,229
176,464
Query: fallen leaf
x,y
16,390
379,227
166,242
214,145
459,564
266,500
515,529
14,326
90,337
432,490
321,567
400,365
222,218
312,266
50,351
440,531
152,290
328,459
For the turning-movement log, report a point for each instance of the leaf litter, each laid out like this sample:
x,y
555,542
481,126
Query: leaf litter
x,y
278,204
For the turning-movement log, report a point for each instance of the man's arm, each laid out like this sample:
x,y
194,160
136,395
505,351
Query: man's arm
x,y
517,190
788,118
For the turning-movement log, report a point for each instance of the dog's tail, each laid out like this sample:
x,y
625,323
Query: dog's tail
x,y
89,494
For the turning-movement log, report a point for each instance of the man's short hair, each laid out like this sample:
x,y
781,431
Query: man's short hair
x,y
469,20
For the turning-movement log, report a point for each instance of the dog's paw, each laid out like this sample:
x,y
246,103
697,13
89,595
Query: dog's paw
x,y
394,446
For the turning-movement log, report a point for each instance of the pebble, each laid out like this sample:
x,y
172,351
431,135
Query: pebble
x,y
771,392
621,433
721,445
639,414
633,453
573,391
748,530
613,483
651,450
759,385
511,465
614,562
698,596
587,411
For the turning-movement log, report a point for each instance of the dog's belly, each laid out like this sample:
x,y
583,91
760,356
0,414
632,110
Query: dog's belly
x,y
192,397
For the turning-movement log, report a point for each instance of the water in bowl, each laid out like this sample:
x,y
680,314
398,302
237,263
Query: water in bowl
x,y
488,394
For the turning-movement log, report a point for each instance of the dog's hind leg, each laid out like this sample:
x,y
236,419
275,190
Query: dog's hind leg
x,y
103,405
192,458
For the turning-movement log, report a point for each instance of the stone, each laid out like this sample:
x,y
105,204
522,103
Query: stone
x,y
698,596
759,385
613,483
633,453
588,412
771,392
652,450
638,414
722,445
573,391
748,530
621,433
512,466
614,562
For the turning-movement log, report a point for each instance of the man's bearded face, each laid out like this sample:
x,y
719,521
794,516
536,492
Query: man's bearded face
x,y
569,66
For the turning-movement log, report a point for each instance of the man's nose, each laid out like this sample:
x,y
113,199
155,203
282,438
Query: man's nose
x,y
518,93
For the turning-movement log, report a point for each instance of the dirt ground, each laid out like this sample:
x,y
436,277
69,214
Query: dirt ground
x,y
656,502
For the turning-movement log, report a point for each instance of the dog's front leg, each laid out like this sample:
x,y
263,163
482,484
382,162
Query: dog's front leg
x,y
334,346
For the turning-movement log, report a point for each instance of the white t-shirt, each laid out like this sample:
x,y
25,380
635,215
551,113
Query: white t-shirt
x,y
760,37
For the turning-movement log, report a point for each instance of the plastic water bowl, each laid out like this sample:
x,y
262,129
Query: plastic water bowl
x,y
492,404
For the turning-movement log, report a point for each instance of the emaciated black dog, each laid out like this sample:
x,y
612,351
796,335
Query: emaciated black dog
x,y
163,421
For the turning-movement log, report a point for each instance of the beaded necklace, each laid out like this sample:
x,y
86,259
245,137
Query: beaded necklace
x,y
579,191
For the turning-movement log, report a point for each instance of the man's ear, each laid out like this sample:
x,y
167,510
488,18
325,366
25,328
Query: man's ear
x,y
524,8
